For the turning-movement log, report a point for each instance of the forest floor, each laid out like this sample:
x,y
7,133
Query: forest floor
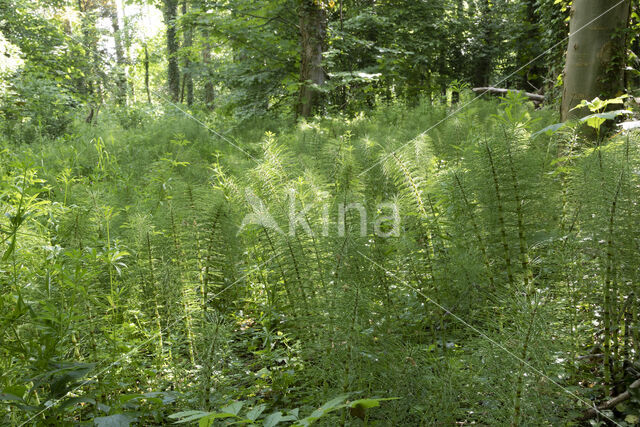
x,y
408,266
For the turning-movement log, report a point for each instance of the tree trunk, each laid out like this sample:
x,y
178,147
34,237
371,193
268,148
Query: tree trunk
x,y
595,55
313,30
483,57
209,95
457,56
188,42
173,72
146,73
121,79
126,38
88,82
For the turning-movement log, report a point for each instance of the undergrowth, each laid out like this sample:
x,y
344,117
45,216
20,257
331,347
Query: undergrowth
x,y
149,269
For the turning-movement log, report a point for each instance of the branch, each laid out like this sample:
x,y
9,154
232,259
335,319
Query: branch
x,y
532,96
592,412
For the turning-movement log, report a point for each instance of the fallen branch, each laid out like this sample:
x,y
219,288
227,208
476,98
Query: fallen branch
x,y
592,412
532,96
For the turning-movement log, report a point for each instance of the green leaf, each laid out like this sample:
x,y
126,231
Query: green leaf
x,y
609,115
273,419
598,104
632,419
127,397
255,412
183,414
188,416
365,403
233,409
10,249
549,130
117,420
7,397
208,420
328,407
76,400
166,397
333,403
369,403
596,120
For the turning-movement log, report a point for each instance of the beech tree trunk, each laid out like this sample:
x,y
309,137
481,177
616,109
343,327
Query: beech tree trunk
x,y
596,53
313,30
173,72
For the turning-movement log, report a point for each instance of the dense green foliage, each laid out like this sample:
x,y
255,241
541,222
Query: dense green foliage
x,y
291,212
129,292
243,57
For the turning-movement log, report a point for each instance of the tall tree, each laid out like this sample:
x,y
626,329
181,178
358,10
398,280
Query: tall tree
x,y
121,78
596,53
145,62
187,79
313,32
89,83
173,71
206,60
529,49
127,39
483,56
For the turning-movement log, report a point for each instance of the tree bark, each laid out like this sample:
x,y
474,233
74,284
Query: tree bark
x,y
595,55
146,73
121,78
313,30
126,39
173,72
89,82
